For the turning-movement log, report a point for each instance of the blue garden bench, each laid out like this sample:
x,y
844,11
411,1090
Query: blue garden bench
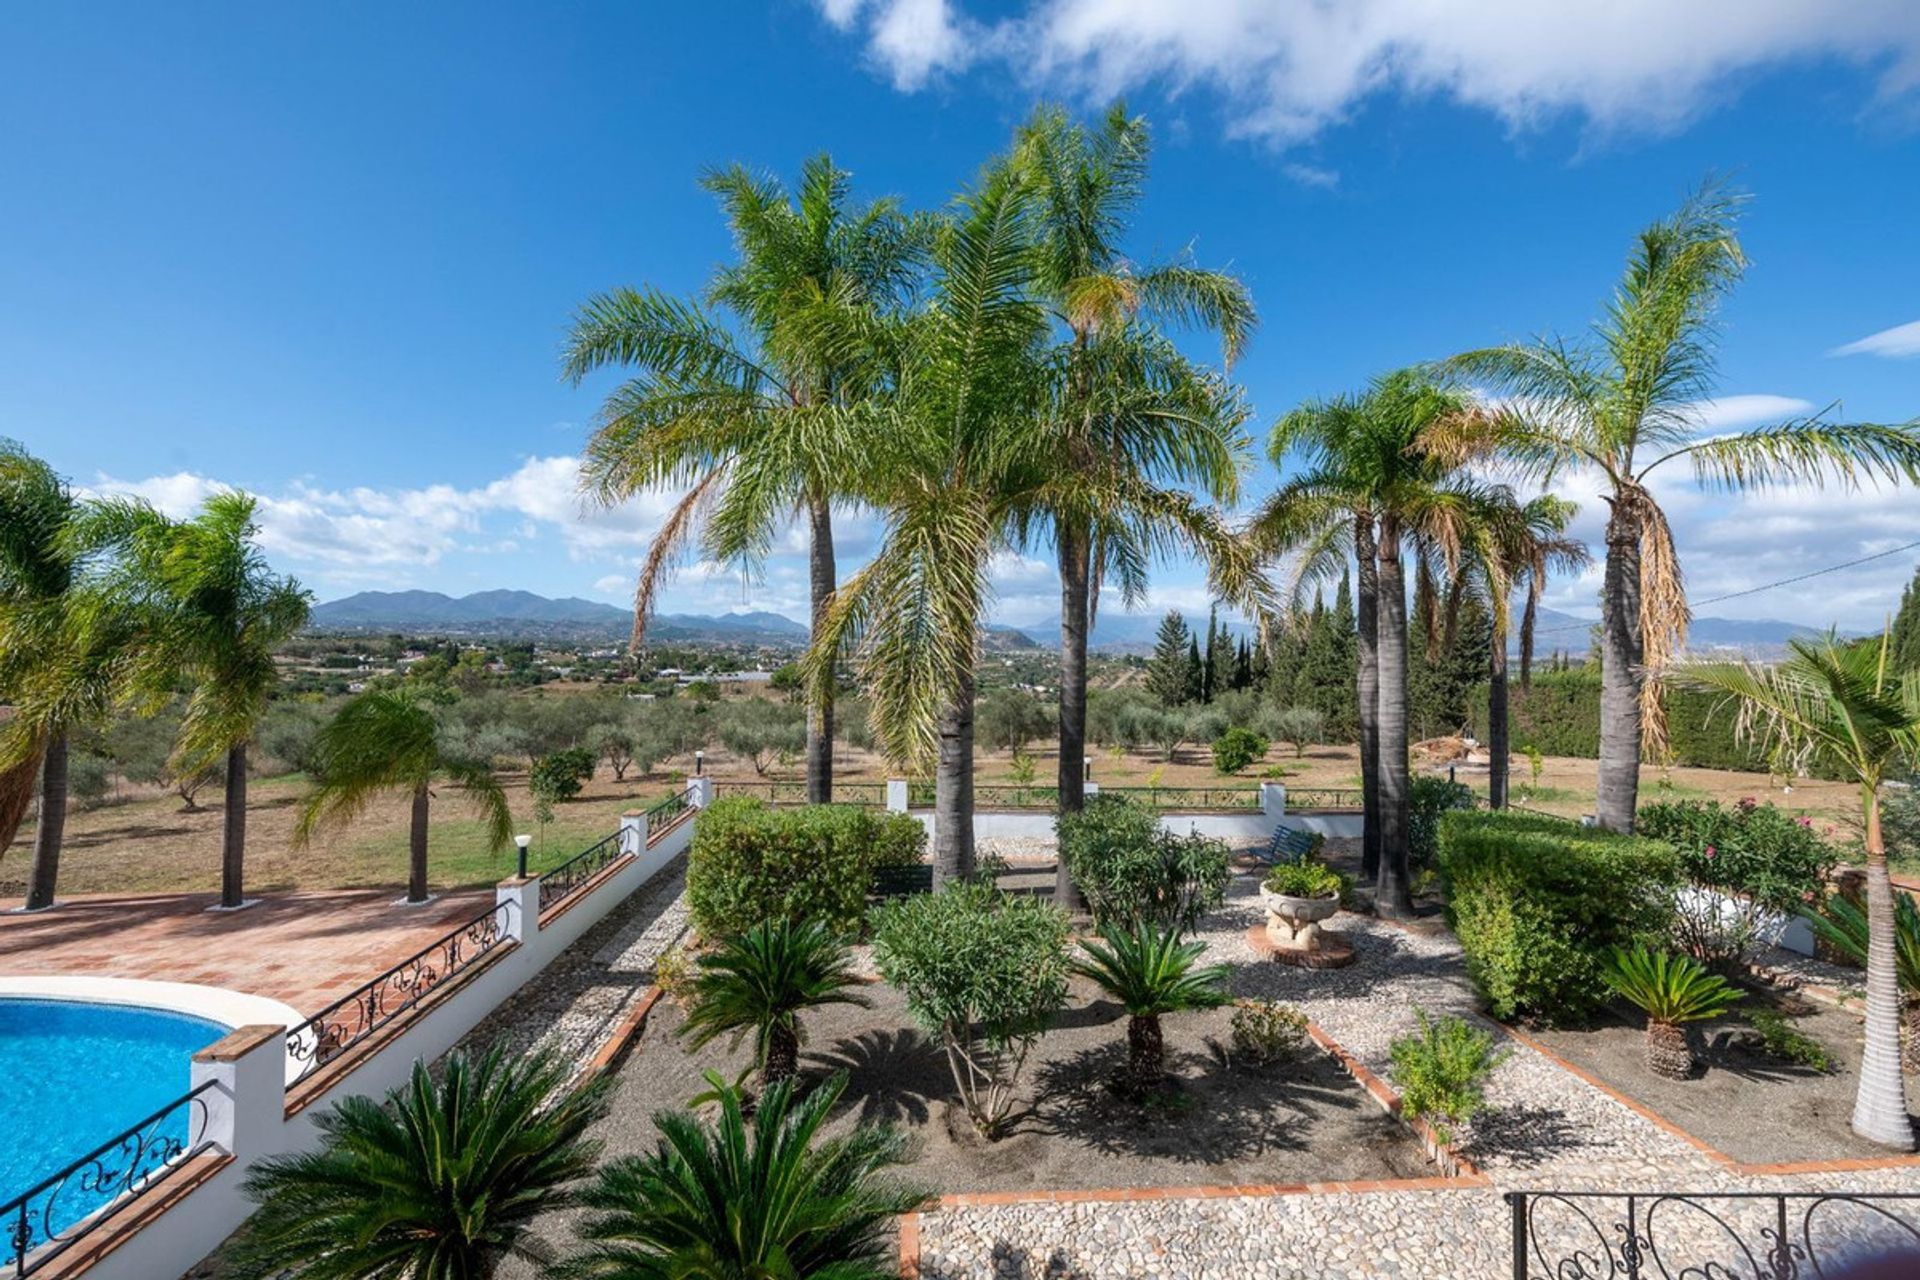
x,y
1290,844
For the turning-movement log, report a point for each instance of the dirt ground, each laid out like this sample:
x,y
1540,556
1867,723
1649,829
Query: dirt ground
x,y
148,844
1301,1122
1748,1104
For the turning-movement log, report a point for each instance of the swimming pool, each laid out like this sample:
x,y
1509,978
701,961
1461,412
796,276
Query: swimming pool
x,y
80,1073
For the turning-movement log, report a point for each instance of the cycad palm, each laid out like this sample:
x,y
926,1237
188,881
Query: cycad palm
x,y
442,1182
766,1198
387,740
1368,487
761,982
1624,406
1149,970
752,423
1842,707
1126,408
1672,990
212,614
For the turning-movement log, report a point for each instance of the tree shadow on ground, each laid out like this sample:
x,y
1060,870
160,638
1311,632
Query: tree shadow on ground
x,y
893,1074
1210,1112
1524,1137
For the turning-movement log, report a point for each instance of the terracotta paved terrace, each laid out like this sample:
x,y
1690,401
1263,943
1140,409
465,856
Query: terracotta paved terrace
x,y
307,949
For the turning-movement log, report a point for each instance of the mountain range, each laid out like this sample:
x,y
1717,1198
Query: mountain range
x,y
524,613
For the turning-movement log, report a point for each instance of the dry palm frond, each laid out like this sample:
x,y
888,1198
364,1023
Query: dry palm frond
x,y
667,546
1664,614
17,786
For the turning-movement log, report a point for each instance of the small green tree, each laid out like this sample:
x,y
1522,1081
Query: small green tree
x,y
445,1180
1133,870
982,971
1237,748
561,775
1300,725
1150,972
762,981
1167,670
1442,1071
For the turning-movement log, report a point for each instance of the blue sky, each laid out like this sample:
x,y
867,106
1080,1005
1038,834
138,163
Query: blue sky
x,y
327,254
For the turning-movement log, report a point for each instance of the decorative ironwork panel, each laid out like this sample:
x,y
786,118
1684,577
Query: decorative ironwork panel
x,y
1323,798
1574,1235
62,1210
354,1017
667,815
1189,798
561,882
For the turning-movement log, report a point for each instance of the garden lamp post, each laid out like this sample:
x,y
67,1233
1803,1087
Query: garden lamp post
x,y
1086,764
522,842
699,763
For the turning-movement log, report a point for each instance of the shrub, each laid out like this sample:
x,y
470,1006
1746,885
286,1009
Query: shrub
x,y
1131,869
1237,748
89,778
1538,903
1427,799
1671,990
761,981
1266,1031
1442,1071
673,972
983,972
1752,866
560,775
1306,879
751,862
1300,726
1783,1041
1150,972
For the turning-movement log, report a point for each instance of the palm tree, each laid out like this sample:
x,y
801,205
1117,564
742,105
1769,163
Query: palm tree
x,y
1672,990
443,1182
387,740
1626,405
770,1197
214,614
762,981
1086,183
1368,486
1842,925
749,422
1149,970
1842,707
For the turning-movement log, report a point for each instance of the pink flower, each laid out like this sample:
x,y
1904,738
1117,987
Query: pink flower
x,y
1805,822
1709,851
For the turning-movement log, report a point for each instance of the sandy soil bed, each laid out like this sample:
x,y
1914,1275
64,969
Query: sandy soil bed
x,y
1225,1123
1750,1105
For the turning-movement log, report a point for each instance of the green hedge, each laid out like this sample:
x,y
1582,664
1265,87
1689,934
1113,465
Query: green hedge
x,y
752,862
1560,715
1537,903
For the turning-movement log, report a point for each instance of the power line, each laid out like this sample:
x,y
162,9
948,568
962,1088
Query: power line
x,y
1751,591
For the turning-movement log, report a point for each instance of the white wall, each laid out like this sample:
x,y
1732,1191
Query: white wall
x,y
249,1116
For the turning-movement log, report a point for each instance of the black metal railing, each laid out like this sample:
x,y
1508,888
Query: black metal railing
x,y
1323,798
561,882
62,1210
1189,797
1730,1235
870,795
665,815
354,1017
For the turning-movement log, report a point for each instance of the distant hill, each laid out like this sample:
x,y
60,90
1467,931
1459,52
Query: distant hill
x,y
523,613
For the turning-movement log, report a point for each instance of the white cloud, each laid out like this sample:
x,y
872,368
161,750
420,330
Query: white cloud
x,y
1898,342
1286,71
1736,413
1308,175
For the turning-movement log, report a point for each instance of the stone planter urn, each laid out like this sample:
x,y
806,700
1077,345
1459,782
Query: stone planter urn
x,y
1293,924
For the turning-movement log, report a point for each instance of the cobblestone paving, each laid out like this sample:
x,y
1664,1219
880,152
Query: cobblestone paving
x,y
1547,1129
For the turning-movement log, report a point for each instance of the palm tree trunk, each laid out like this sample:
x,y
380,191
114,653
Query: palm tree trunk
x,y
1498,749
1393,894
233,846
1146,1051
953,789
1667,1051
1621,657
417,846
783,1056
820,711
1075,574
52,829
1527,621
1367,682
1880,1102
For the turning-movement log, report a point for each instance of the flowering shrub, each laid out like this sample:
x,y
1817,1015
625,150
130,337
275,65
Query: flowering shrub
x,y
1750,867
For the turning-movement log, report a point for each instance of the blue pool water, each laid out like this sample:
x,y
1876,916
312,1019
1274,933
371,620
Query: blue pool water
x,y
77,1075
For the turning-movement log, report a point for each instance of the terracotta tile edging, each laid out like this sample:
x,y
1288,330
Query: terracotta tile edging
x,y
624,1036
1857,1164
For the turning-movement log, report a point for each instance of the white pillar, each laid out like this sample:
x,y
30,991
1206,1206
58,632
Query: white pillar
x,y
1090,789
1273,799
521,897
633,833
247,1107
896,795
702,792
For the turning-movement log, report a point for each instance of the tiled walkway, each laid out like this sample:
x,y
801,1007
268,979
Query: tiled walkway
x,y
306,949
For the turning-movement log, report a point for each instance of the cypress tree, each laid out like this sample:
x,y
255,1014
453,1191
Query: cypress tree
x,y
1167,669
1196,685
1210,665
1903,639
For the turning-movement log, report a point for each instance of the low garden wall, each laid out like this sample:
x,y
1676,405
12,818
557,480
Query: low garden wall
x,y
1244,825
254,1111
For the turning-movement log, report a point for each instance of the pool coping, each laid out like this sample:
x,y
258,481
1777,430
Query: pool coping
x,y
230,1009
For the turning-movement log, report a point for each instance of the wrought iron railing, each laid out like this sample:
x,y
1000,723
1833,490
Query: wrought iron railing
x,y
1323,798
371,1006
871,795
665,815
1189,797
561,882
1730,1235
63,1209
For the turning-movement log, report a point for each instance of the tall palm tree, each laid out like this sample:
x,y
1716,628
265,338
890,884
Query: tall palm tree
x,y
1625,405
387,740
1086,183
214,613
1844,707
767,1197
1368,478
748,419
443,1182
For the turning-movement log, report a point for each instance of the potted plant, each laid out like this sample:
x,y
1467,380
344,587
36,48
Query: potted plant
x,y
1301,895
